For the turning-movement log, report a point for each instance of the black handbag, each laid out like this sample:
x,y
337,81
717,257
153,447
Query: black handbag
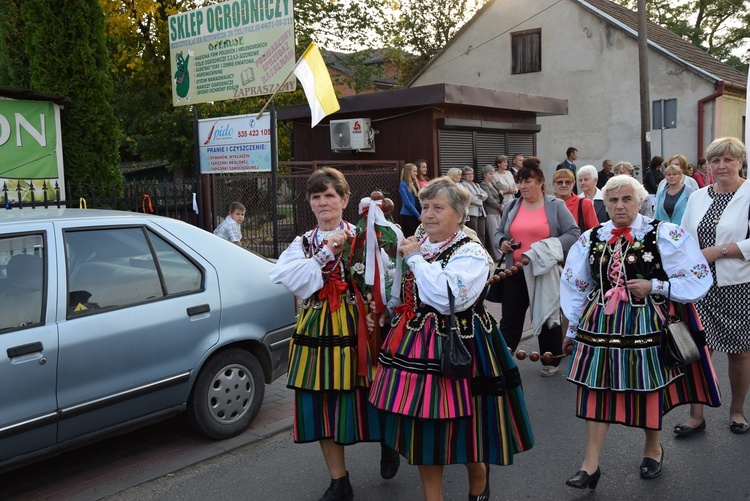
x,y
678,348
456,360
495,290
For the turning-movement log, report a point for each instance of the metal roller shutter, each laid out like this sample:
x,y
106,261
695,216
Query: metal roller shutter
x,y
455,148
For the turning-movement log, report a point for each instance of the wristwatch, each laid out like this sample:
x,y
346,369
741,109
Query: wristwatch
x,y
724,251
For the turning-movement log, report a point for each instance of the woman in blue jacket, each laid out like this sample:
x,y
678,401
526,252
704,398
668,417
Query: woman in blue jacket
x,y
672,199
410,208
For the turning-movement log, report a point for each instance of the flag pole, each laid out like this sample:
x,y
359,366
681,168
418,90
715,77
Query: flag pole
x,y
281,84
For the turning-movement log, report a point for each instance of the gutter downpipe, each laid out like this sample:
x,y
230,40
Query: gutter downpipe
x,y
701,103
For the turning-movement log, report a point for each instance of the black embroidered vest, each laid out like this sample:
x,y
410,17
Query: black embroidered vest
x,y
641,259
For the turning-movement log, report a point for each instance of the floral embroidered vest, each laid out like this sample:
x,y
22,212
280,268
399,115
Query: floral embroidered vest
x,y
422,310
641,260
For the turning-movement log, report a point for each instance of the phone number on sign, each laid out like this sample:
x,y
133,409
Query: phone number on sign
x,y
253,133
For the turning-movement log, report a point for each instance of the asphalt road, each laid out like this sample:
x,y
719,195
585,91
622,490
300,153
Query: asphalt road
x,y
714,465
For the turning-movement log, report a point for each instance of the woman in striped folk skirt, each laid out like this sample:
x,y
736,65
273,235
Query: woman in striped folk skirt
x,y
614,290
330,366
430,419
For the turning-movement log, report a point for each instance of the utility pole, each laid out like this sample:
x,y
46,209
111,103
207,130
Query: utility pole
x,y
643,82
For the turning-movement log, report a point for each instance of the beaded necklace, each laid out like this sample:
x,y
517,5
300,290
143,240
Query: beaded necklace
x,y
427,250
323,234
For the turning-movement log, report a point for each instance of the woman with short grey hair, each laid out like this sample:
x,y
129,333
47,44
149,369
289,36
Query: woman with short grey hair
x,y
493,207
587,177
483,419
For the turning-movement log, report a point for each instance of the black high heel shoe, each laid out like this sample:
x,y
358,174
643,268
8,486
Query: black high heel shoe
x,y
583,480
485,495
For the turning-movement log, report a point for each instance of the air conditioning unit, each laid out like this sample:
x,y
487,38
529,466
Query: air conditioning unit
x,y
352,134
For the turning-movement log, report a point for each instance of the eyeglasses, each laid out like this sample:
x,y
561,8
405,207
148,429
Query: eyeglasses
x,y
564,182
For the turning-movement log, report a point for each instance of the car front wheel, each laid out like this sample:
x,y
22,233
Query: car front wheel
x,y
227,394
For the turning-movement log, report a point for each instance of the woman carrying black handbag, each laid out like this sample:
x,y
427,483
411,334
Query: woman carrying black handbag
x,y
430,418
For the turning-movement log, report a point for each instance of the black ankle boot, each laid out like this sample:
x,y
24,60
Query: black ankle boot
x,y
485,495
390,460
339,490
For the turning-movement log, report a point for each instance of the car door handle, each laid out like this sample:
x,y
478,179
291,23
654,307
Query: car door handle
x,y
25,349
197,310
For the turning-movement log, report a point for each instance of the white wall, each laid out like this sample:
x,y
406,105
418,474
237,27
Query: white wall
x,y
587,61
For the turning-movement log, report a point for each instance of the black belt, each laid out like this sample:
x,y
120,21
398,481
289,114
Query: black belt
x,y
324,341
617,341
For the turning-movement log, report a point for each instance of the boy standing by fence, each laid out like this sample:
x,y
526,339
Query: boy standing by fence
x,y
229,229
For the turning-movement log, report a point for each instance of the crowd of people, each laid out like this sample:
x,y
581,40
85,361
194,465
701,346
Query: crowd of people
x,y
604,269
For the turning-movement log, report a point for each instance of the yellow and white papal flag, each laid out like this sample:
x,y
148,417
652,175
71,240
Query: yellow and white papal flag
x,y
312,73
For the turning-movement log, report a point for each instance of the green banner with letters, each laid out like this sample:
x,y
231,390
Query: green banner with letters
x,y
30,140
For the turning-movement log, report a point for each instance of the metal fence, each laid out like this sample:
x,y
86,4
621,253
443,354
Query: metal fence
x,y
172,198
294,216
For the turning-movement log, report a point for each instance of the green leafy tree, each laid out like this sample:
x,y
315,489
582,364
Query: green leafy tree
x,y
716,26
14,64
153,128
58,48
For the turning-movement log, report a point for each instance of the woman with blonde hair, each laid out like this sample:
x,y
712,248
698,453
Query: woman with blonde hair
x,y
717,218
408,190
454,173
672,199
681,162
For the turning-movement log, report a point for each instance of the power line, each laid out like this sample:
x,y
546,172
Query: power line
x,y
495,37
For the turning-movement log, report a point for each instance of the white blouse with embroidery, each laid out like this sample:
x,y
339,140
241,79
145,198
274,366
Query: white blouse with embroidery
x,y
687,269
300,274
467,272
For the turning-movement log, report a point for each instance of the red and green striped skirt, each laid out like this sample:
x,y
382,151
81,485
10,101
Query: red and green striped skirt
x,y
432,420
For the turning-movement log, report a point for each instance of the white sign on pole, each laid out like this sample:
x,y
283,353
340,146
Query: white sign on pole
x,y
240,143
234,49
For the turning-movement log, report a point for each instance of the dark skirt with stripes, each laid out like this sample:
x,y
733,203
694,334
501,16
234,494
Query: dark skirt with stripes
x,y
330,393
432,420
623,392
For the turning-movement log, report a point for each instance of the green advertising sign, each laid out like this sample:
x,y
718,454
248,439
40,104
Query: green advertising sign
x,y
235,49
30,140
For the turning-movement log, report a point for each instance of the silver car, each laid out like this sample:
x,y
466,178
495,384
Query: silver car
x,y
110,319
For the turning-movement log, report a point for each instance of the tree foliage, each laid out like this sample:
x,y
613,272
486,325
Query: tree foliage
x,y
716,26
154,129
58,48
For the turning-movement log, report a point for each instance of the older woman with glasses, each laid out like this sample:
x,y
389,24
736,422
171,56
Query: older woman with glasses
x,y
581,208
